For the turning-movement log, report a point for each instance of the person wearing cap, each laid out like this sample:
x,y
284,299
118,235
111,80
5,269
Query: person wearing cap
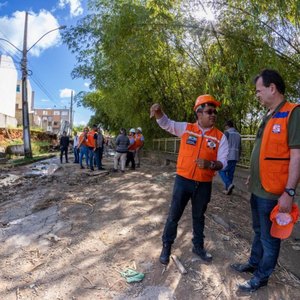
x,y
274,174
203,151
139,143
131,149
234,144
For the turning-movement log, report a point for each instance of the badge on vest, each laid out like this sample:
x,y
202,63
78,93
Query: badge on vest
x,y
276,128
192,140
211,144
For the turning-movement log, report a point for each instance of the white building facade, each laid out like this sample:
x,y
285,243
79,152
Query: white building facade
x,y
8,82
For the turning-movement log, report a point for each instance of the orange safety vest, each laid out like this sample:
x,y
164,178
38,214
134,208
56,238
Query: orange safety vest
x,y
91,140
274,158
138,141
133,146
82,141
195,145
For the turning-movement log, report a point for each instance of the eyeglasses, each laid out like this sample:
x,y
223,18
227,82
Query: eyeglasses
x,y
209,111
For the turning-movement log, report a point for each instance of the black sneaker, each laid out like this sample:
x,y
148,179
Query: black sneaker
x,y
165,254
202,253
251,285
81,167
243,268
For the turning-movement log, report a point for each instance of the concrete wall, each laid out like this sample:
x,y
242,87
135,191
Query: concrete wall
x,y
8,81
7,121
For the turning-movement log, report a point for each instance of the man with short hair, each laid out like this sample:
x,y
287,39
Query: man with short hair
x,y
203,151
76,148
92,145
274,175
234,144
64,146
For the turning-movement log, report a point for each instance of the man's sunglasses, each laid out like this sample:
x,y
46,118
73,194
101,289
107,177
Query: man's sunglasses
x,y
209,111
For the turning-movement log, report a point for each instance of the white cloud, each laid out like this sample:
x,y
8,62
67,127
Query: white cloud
x,y
86,84
45,100
66,93
75,7
12,29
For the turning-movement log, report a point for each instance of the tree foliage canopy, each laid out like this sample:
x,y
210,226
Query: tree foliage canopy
x,y
138,52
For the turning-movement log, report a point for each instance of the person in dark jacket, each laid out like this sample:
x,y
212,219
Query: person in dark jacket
x,y
122,143
64,145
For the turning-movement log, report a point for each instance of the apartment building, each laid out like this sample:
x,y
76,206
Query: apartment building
x,y
51,119
30,99
8,80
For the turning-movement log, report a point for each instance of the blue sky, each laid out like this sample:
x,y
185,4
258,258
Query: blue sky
x,y
49,61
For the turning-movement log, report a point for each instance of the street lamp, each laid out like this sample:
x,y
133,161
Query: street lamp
x,y
25,110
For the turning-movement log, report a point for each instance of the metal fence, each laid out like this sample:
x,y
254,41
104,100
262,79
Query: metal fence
x,y
171,146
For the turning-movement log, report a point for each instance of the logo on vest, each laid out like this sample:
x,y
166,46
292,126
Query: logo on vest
x,y
211,144
192,140
276,128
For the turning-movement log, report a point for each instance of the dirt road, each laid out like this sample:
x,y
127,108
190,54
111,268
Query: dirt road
x,y
68,235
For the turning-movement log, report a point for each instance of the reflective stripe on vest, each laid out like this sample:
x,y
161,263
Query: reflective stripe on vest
x,y
194,145
274,158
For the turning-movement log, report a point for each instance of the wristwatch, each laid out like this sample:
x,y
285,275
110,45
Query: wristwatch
x,y
290,192
212,165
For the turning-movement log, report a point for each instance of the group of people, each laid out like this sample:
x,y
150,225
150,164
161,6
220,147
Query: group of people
x,y
89,145
274,173
128,149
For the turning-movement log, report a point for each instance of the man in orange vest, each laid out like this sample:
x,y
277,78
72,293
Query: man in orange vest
x,y
139,143
203,151
92,145
274,174
83,148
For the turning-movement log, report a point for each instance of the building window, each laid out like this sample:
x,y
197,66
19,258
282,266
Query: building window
x,y
64,113
55,123
56,113
18,88
45,112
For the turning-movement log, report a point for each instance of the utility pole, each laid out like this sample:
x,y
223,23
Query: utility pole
x,y
71,113
25,111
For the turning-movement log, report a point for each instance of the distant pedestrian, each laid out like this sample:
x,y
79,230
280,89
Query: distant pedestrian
x,y
139,140
235,147
64,145
83,146
122,143
92,143
99,149
76,148
131,149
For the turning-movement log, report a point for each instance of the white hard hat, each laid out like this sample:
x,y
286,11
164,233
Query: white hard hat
x,y
132,130
139,129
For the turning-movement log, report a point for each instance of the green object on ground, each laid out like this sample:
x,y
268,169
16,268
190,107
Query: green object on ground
x,y
132,276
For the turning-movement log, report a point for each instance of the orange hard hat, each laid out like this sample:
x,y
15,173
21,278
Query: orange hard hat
x,y
206,99
283,231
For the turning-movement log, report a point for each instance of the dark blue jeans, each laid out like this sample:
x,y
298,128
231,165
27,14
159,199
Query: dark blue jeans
x,y
91,154
83,153
228,172
76,155
265,248
184,190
